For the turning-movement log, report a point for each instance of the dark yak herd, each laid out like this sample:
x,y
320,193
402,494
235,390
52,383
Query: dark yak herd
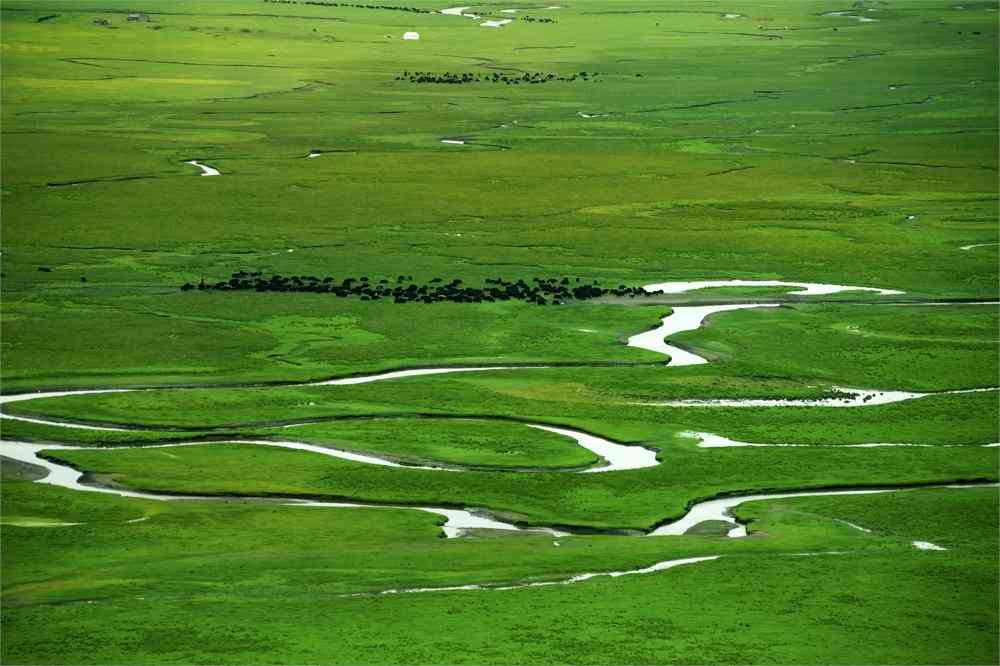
x,y
541,291
496,77
536,19
356,5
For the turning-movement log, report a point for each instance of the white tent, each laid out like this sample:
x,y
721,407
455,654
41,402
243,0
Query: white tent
x,y
411,35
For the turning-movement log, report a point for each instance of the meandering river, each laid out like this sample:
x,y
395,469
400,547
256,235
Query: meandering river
x,y
615,456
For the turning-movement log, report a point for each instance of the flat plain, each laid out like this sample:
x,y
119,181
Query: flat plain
x,y
598,141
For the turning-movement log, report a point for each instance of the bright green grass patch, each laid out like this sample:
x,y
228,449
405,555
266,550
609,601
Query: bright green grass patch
x,y
282,337
467,442
243,563
25,431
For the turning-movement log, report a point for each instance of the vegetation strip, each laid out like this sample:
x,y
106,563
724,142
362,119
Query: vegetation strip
x,y
578,578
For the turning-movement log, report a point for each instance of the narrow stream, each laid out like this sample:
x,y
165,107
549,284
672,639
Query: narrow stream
x,y
719,509
205,169
708,440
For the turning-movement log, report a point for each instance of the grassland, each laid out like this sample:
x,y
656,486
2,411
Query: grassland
x,y
827,199
283,571
782,144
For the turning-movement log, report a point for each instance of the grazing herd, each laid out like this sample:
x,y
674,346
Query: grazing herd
x,y
356,5
541,291
536,19
458,78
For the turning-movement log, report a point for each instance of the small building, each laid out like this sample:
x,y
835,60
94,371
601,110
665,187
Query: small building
x,y
411,36
135,16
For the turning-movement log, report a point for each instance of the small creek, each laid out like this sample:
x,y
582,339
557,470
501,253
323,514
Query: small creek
x,y
719,509
205,169
707,440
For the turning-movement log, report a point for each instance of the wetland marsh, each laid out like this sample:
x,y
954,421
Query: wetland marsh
x,y
454,457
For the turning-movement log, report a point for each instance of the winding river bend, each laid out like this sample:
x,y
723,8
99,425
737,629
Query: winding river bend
x,y
205,169
457,520
615,456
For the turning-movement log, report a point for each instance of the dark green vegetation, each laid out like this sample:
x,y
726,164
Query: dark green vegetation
x,y
777,144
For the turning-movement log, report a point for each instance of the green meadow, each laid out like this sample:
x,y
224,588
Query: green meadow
x,y
682,140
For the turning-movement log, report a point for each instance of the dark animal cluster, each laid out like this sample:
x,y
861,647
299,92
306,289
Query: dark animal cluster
x,y
542,291
458,78
537,19
356,5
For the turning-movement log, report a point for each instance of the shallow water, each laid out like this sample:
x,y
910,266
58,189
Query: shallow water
x,y
578,578
707,440
805,288
458,11
684,318
457,520
718,509
205,169
845,14
854,526
495,24
618,456
416,372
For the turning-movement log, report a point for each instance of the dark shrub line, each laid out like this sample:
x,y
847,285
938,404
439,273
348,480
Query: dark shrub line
x,y
542,291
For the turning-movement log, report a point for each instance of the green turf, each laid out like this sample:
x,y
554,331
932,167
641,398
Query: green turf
x,y
279,573
467,442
